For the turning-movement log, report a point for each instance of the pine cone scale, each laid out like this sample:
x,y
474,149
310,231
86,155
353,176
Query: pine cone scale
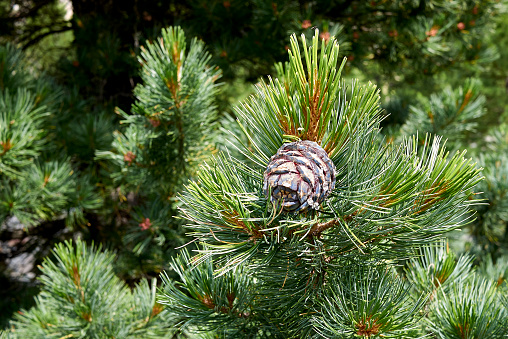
x,y
304,191
297,159
317,166
307,175
284,167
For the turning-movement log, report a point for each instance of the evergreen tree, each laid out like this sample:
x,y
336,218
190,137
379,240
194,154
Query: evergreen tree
x,y
273,264
35,185
170,130
314,225
82,297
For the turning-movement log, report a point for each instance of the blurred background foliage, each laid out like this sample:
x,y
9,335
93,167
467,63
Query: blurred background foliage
x,y
73,66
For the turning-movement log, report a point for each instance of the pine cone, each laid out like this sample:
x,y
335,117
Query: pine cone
x,y
300,175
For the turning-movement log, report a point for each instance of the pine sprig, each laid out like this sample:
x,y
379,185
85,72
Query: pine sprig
x,y
21,131
367,303
32,188
471,309
453,113
309,103
437,268
46,189
172,120
208,303
82,297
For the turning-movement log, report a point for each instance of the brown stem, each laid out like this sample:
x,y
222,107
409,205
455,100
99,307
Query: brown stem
x,y
318,228
41,36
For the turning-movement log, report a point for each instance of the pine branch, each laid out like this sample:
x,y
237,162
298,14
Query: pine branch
x,y
38,37
82,296
207,303
173,118
469,310
388,199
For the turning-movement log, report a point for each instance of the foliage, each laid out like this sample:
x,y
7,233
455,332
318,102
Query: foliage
x,y
490,230
471,310
34,188
452,113
169,131
116,178
204,309
172,118
328,272
391,41
456,114
462,303
367,302
82,297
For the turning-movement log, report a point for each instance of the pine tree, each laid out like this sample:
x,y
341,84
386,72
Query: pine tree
x,y
314,225
37,183
331,270
170,129
82,297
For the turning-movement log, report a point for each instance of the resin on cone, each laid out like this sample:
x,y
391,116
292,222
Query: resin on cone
x,y
299,176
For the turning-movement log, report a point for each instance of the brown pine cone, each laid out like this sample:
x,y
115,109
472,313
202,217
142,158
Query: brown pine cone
x,y
299,176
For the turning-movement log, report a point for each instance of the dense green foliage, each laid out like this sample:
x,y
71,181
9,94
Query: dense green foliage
x,y
105,116
332,272
168,133
37,182
82,297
